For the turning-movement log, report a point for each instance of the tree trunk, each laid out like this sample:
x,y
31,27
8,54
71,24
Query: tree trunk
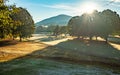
x,y
90,38
56,35
82,37
106,40
78,37
96,37
13,38
20,39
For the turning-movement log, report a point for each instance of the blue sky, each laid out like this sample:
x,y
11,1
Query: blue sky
x,y
42,9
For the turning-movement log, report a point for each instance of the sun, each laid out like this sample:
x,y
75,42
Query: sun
x,y
89,7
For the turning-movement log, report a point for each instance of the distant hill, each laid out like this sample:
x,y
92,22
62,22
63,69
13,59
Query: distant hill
x,y
56,20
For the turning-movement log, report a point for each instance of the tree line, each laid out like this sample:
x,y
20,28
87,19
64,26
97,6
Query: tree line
x,y
15,21
100,24
53,29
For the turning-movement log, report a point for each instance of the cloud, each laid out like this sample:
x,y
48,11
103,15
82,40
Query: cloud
x,y
59,6
74,9
115,3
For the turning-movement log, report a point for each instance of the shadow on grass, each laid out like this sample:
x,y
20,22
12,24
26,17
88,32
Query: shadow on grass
x,y
74,51
115,40
97,48
8,43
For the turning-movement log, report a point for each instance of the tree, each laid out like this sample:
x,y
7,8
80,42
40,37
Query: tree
x,y
63,30
26,27
5,20
80,26
51,28
56,31
40,29
73,26
15,21
109,22
97,24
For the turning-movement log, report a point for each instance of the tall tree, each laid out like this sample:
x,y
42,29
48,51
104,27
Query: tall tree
x,y
63,30
73,26
26,27
5,20
97,24
56,31
110,23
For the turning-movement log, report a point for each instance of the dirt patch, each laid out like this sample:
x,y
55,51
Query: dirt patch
x,y
18,49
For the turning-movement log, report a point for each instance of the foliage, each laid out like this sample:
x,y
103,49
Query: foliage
x,y
56,31
15,21
26,26
5,20
63,30
45,28
97,24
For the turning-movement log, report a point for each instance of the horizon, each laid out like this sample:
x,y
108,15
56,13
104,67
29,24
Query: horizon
x,y
58,7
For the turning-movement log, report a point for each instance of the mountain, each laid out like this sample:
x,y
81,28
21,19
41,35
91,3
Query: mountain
x,y
56,20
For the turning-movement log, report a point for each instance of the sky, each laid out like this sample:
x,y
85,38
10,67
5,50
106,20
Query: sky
x,y
42,9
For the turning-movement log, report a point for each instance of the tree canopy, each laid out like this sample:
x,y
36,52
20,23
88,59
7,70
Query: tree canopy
x,y
15,21
97,24
5,20
26,25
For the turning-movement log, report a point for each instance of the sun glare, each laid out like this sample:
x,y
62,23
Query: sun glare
x,y
89,7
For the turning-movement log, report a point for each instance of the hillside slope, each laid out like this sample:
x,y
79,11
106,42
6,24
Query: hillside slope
x,y
56,20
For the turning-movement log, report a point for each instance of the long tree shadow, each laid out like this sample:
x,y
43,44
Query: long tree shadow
x,y
97,48
7,43
114,40
75,51
81,50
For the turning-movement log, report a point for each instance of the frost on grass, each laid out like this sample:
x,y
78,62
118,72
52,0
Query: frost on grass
x,y
49,67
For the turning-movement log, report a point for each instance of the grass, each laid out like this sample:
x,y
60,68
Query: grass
x,y
30,58
97,48
83,51
35,66
12,51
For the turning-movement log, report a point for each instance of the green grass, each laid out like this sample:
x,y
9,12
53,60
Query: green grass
x,y
33,66
114,40
96,48
82,50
